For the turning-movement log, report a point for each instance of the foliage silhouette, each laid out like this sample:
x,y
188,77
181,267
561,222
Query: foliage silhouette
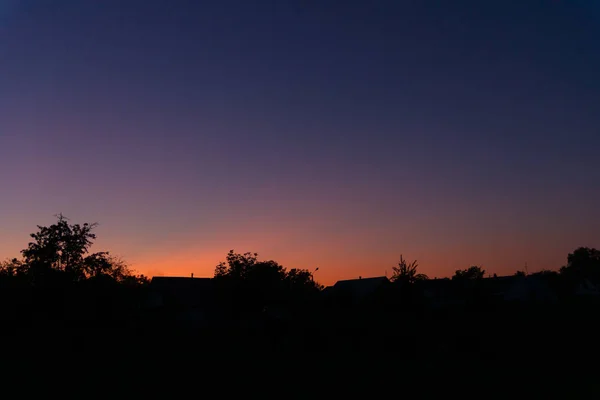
x,y
60,253
473,273
11,268
255,284
406,273
583,263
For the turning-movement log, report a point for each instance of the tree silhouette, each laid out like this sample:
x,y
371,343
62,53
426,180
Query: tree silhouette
x,y
406,273
301,279
11,268
472,273
61,252
255,283
237,266
247,268
584,257
583,263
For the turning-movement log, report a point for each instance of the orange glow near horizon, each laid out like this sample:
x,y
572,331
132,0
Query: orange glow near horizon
x,y
310,236
363,249
332,269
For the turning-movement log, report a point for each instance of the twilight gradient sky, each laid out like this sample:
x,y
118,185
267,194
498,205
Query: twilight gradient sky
x,y
316,133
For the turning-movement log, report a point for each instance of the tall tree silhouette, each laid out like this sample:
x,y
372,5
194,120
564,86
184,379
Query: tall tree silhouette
x,y
59,247
406,273
62,251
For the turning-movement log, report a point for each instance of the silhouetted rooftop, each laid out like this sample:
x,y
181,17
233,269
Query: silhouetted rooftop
x,y
361,286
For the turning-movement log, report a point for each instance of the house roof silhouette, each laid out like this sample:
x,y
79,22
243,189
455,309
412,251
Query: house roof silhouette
x,y
360,287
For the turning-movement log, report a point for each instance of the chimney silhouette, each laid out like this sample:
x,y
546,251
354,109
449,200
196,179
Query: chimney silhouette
x,y
192,275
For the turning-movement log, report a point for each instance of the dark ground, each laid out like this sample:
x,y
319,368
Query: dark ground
x,y
550,354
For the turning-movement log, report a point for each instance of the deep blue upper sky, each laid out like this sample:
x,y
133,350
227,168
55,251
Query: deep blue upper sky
x,y
407,126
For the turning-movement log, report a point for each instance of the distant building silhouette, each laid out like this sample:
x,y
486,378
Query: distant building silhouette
x,y
357,290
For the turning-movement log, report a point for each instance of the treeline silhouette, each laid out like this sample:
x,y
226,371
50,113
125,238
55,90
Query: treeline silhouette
x,y
409,328
58,280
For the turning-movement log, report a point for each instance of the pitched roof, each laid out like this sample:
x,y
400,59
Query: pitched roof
x,y
362,286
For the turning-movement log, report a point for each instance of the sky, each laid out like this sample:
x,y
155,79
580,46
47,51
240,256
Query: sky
x,y
325,134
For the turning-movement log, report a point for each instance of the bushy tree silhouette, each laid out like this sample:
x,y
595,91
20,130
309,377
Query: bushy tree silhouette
x,y
301,280
583,263
58,279
470,274
257,283
61,252
11,268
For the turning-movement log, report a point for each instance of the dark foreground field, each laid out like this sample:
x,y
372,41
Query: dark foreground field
x,y
551,354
